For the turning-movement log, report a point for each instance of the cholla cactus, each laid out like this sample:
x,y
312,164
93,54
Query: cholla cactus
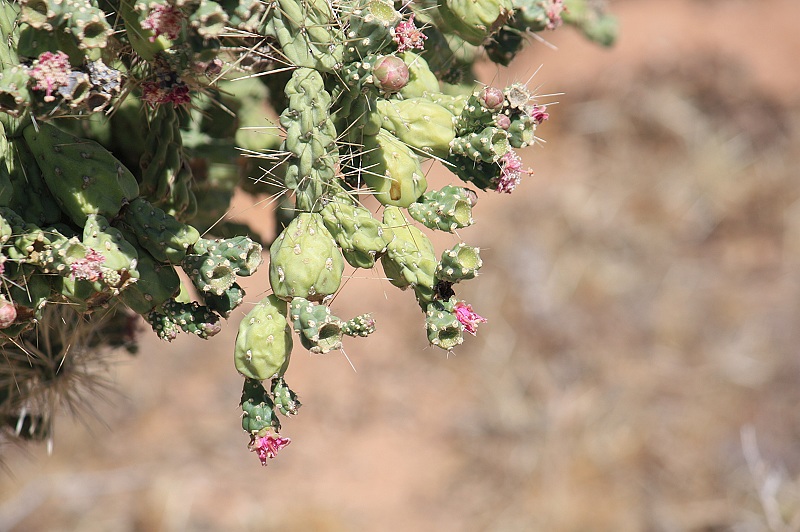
x,y
100,211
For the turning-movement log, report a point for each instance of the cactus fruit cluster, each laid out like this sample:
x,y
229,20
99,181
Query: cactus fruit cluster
x,y
127,125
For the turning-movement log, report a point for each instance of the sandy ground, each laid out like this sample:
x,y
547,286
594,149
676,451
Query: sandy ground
x,y
638,372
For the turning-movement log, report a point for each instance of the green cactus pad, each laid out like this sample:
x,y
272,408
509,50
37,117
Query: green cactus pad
x,y
259,410
167,239
419,123
285,399
320,331
444,329
410,259
84,177
361,237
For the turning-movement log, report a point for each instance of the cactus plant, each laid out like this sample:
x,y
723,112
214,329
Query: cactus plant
x,y
119,126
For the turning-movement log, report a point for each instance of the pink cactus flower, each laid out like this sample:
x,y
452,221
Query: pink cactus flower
x,y
510,172
553,10
155,93
268,446
88,268
468,317
539,113
407,36
164,20
51,71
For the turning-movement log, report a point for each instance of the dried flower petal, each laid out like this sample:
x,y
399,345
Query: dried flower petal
x,y
164,20
88,268
407,36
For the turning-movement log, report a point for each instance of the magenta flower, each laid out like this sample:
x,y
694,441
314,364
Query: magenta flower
x,y
157,93
468,317
539,113
164,20
51,71
407,36
510,172
553,9
268,446
88,268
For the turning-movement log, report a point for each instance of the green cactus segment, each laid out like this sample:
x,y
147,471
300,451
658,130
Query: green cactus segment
x,y
310,138
474,20
392,170
447,209
370,29
285,399
591,20
305,260
120,256
320,331
259,410
362,325
166,175
444,329
420,124
361,237
167,239
242,252
459,263
264,342
308,33
226,302
84,177
172,317
410,258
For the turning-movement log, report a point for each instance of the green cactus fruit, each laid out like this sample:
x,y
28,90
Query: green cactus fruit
x,y
307,32
14,94
243,253
210,274
474,20
209,20
421,81
285,399
84,177
192,318
362,325
167,239
447,209
157,283
361,237
259,410
264,342
410,258
305,260
459,263
88,24
225,303
444,329
320,331
419,123
392,170
487,146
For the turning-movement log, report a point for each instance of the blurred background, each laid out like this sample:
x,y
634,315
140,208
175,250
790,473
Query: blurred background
x,y
640,370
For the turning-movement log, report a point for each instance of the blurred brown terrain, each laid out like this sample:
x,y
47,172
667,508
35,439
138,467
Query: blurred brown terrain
x,y
640,370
